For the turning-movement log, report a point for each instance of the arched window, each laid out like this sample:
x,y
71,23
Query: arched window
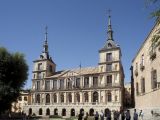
x,y
30,111
63,112
85,97
77,97
40,111
95,96
47,98
72,112
62,98
91,112
109,96
69,98
38,98
56,111
47,111
55,98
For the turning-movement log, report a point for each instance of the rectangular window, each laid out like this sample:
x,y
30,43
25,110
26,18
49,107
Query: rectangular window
x,y
86,82
47,85
61,84
109,57
143,85
77,84
25,98
109,67
40,66
137,88
38,85
54,84
109,79
95,81
154,79
39,75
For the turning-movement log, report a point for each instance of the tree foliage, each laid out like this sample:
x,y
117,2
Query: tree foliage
x,y
156,4
13,74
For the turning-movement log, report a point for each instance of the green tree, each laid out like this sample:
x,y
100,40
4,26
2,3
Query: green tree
x,y
13,74
156,7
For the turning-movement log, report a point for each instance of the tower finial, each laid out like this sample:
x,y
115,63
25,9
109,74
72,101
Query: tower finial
x,y
109,32
46,33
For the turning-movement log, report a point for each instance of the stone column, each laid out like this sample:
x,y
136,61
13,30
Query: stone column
x,y
65,97
73,96
99,96
90,81
90,96
81,97
58,97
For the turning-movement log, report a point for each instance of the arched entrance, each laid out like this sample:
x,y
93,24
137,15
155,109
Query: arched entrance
x,y
40,111
72,112
56,111
47,111
82,111
95,97
63,112
91,112
30,111
107,112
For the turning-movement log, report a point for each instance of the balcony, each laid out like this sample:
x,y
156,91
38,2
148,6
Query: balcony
x,y
136,72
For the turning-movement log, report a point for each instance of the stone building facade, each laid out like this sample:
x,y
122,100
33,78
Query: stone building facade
x,y
23,99
69,92
146,72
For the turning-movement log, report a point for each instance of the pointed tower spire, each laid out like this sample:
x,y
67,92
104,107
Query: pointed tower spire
x,y
109,31
45,46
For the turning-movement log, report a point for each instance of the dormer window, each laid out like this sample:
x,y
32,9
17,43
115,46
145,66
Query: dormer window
x,y
109,45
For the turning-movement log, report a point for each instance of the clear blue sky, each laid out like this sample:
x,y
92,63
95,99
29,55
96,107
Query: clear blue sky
x,y
76,29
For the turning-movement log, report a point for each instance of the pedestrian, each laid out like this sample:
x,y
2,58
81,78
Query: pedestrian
x,y
102,115
135,115
86,117
96,116
108,117
80,116
122,115
141,114
128,116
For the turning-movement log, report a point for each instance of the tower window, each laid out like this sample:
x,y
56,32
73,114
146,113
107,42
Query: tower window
x,y
109,67
39,66
109,45
50,68
109,57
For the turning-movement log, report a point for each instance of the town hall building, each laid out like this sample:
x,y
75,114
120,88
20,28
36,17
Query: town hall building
x,y
69,92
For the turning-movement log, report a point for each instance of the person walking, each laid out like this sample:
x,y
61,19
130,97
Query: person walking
x,y
128,116
86,117
122,115
135,115
108,117
80,116
102,115
141,115
96,116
